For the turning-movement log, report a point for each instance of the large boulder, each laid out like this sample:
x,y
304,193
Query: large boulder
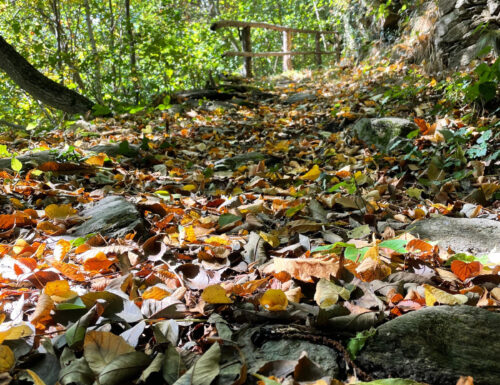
x,y
462,235
458,36
382,131
437,345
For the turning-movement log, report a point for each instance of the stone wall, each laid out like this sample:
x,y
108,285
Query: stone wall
x,y
464,28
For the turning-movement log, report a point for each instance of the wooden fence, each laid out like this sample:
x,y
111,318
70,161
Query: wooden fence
x,y
286,53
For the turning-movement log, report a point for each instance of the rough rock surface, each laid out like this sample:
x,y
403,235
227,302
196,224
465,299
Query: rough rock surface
x,y
380,131
437,345
457,38
300,97
112,216
463,235
286,349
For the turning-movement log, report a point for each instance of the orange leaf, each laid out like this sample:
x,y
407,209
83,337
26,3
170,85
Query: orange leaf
x,y
464,270
42,311
7,221
61,249
418,244
69,270
156,293
274,300
98,262
49,228
306,268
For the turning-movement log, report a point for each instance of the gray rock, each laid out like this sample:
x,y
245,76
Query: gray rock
x,y
300,97
446,6
112,216
381,131
463,235
115,149
238,160
286,349
437,345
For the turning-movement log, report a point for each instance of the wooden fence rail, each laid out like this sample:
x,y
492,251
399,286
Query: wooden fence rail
x,y
287,53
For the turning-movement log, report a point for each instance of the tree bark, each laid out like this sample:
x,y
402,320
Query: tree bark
x,y
38,85
133,59
97,62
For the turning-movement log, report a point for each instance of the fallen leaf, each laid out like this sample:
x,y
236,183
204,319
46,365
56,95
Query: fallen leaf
x,y
215,294
464,270
274,300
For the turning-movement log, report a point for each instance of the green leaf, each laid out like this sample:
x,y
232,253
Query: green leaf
x,y
16,165
356,343
124,368
398,245
354,254
74,304
204,370
77,372
173,365
466,258
333,248
3,151
294,210
359,232
226,219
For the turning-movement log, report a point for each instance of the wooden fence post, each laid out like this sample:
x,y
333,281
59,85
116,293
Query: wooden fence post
x,y
287,47
246,43
317,38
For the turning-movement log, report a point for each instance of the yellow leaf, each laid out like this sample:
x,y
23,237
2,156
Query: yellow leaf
x,y
312,174
59,211
156,293
190,235
189,187
7,359
15,333
97,160
274,300
273,240
215,294
59,291
433,295
217,240
36,380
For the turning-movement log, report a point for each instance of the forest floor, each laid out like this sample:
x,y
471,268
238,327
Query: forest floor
x,y
262,210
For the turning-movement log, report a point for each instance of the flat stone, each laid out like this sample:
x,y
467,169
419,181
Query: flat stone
x,y
463,235
382,131
112,216
300,97
437,345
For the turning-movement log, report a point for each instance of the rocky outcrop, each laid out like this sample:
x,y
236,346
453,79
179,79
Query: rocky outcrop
x,y
437,345
465,28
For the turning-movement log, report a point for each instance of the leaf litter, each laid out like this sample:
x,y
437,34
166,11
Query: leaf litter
x,y
249,216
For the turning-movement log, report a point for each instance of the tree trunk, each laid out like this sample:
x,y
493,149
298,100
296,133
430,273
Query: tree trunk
x,y
133,60
39,86
97,62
